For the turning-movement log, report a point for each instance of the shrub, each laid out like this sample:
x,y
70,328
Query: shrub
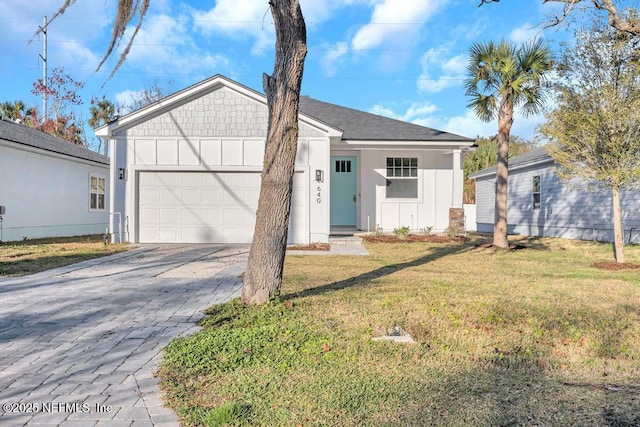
x,y
426,231
401,232
451,231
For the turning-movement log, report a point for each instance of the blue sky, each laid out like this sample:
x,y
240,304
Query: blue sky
x,y
399,58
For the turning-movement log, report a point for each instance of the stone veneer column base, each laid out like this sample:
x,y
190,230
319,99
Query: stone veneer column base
x,y
456,220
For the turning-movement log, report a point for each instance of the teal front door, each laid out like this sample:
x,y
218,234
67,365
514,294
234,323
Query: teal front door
x,y
343,191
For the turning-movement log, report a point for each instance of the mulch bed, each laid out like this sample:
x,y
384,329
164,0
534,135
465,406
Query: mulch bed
x,y
612,265
412,238
311,247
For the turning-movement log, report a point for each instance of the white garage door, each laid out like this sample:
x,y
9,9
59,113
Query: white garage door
x,y
207,207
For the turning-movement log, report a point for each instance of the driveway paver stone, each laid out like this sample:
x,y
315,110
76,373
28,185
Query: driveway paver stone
x,y
79,344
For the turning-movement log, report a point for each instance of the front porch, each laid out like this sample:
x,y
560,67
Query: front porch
x,y
377,188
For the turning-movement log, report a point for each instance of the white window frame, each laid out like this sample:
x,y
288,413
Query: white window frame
x,y
534,193
97,208
396,172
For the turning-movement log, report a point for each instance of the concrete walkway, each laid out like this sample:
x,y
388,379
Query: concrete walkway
x,y
340,245
79,344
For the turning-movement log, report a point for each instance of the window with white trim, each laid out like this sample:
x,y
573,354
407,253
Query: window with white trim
x,y
97,186
402,177
536,192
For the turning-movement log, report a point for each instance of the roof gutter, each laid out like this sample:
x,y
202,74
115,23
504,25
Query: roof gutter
x,y
492,170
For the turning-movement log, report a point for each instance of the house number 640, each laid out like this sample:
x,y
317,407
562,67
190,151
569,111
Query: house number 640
x,y
319,195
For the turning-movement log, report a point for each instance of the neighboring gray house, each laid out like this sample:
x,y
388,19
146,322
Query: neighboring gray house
x,y
49,187
186,169
540,204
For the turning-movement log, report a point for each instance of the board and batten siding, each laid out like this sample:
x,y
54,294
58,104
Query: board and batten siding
x,y
220,131
430,209
567,209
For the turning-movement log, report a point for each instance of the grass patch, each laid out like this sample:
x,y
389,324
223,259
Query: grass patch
x,y
229,413
536,336
36,255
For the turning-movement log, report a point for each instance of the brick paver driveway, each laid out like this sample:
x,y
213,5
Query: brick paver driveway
x,y
79,344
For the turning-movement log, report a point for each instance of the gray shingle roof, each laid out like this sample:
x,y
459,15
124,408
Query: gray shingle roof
x,y
354,124
539,155
358,125
25,135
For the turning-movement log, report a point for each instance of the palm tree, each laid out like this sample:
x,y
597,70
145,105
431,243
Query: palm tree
x,y
102,112
12,110
502,77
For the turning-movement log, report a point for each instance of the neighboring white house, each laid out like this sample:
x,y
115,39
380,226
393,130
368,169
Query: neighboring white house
x,y
187,168
49,187
540,204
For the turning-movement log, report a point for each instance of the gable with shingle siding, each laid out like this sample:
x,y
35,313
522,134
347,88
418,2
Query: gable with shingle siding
x,y
219,113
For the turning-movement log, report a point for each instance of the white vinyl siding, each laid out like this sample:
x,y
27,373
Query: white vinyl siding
x,y
566,209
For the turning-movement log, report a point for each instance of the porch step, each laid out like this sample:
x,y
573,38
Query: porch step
x,y
337,239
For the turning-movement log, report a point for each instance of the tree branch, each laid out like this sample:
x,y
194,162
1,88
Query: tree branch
x,y
628,23
126,12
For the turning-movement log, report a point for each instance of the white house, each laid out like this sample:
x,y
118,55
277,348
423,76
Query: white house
x,y
49,187
187,168
540,204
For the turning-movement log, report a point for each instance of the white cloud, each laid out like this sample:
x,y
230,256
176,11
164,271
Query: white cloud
x,y
415,111
70,36
252,19
22,19
125,98
395,21
75,55
471,126
524,33
439,71
332,59
317,11
468,125
164,43
525,127
237,19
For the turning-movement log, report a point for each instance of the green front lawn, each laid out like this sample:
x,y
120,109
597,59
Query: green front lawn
x,y
35,255
536,336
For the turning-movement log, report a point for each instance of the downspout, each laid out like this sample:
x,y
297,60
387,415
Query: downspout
x,y
112,185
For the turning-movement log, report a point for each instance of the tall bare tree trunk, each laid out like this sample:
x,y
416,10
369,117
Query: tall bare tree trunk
x,y
505,120
618,238
263,276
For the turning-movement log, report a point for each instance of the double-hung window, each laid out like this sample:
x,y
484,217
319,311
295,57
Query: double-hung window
x,y
402,177
96,192
536,192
